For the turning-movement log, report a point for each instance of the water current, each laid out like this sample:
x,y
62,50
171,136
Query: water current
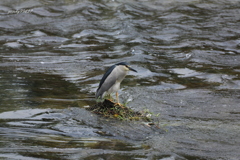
x,y
54,53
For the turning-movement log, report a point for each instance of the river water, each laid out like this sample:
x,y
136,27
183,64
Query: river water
x,y
53,55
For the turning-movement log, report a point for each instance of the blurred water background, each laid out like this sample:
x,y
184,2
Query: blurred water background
x,y
54,53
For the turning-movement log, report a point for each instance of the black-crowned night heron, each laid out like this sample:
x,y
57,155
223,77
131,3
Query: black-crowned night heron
x,y
111,80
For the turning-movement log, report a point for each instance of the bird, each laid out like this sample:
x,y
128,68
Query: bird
x,y
112,79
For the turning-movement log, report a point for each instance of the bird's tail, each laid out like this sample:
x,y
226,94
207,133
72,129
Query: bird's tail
x,y
98,94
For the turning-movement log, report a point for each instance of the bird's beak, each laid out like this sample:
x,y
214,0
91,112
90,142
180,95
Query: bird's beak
x,y
132,69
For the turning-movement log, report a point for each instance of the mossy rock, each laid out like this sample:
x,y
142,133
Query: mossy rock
x,y
110,109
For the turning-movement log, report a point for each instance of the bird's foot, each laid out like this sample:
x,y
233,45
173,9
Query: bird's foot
x,y
117,104
120,105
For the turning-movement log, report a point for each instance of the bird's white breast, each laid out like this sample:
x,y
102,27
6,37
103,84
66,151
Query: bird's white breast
x,y
119,74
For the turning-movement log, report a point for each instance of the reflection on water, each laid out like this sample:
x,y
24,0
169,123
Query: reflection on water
x,y
53,55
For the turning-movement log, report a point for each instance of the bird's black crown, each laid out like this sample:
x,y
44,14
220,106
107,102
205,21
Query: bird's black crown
x,y
122,63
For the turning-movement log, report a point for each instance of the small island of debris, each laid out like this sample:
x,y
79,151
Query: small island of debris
x,y
110,109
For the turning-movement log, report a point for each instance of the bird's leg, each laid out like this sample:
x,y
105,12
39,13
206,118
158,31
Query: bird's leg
x,y
110,97
118,103
117,98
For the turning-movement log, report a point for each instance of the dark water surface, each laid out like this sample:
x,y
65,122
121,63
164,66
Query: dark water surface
x,y
53,55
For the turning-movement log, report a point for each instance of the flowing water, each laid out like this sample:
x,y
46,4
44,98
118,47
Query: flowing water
x,y
54,53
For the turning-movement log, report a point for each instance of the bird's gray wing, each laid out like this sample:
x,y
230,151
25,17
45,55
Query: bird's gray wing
x,y
106,85
108,72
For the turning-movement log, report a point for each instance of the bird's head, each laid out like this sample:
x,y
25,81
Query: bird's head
x,y
125,66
